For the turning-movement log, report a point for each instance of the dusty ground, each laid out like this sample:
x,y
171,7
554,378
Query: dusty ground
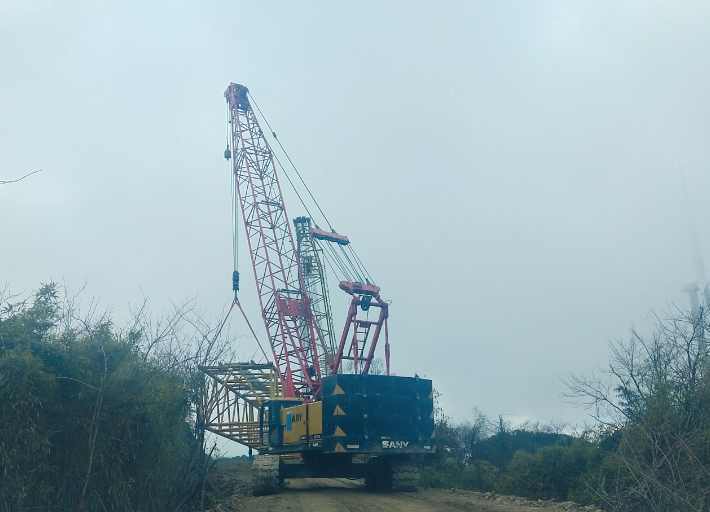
x,y
331,495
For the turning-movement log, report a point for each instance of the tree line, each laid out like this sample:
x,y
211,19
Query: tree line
x,y
96,416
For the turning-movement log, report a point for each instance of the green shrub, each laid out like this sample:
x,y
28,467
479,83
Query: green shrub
x,y
89,419
480,476
432,478
552,472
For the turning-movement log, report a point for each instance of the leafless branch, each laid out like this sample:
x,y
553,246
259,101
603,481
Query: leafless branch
x,y
20,179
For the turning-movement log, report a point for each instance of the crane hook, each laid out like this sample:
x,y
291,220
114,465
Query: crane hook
x,y
227,153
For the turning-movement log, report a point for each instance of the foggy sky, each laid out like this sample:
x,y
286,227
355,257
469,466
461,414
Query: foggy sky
x,y
508,171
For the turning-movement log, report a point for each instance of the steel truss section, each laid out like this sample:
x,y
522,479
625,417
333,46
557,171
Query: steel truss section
x,y
236,391
358,330
310,256
283,296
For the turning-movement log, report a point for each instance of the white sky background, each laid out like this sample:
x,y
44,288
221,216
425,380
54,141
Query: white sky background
x,y
508,171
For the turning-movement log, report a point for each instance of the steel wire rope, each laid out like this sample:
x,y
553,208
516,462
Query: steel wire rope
x,y
235,246
235,229
355,269
235,212
365,272
327,260
292,185
362,267
343,271
341,264
339,261
273,133
219,331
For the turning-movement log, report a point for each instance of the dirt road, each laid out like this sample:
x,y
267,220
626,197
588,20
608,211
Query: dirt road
x,y
345,496
340,495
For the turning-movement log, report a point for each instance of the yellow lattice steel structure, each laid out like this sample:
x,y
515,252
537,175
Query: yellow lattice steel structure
x,y
235,394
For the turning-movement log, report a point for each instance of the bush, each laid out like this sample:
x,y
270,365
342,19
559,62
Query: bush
x,y
530,460
480,476
91,419
553,472
433,478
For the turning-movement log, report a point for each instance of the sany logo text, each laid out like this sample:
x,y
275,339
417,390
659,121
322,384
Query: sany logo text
x,y
395,444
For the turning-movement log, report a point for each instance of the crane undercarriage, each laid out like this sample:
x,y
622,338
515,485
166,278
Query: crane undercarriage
x,y
374,427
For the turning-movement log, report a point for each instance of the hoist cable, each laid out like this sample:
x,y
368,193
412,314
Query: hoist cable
x,y
339,273
235,217
341,264
235,223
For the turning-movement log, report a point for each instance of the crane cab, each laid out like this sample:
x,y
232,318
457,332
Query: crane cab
x,y
289,424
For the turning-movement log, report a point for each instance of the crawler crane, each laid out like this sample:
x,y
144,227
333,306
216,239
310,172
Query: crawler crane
x,y
315,408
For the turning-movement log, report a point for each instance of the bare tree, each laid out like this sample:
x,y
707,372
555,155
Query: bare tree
x,y
655,398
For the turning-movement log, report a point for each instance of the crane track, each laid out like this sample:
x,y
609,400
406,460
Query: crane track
x,y
265,478
405,477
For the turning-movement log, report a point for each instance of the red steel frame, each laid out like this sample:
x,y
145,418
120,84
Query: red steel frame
x,y
366,296
284,301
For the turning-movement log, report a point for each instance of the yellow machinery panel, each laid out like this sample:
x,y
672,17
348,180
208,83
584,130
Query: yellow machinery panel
x,y
295,424
302,423
315,421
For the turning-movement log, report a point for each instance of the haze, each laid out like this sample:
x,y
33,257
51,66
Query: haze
x,y
508,171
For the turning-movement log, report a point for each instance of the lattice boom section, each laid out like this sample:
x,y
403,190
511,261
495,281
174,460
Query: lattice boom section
x,y
236,392
282,293
311,259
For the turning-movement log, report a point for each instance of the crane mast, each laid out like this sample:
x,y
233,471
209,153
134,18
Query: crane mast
x,y
294,338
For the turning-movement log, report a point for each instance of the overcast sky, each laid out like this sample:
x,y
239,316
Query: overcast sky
x,y
508,171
